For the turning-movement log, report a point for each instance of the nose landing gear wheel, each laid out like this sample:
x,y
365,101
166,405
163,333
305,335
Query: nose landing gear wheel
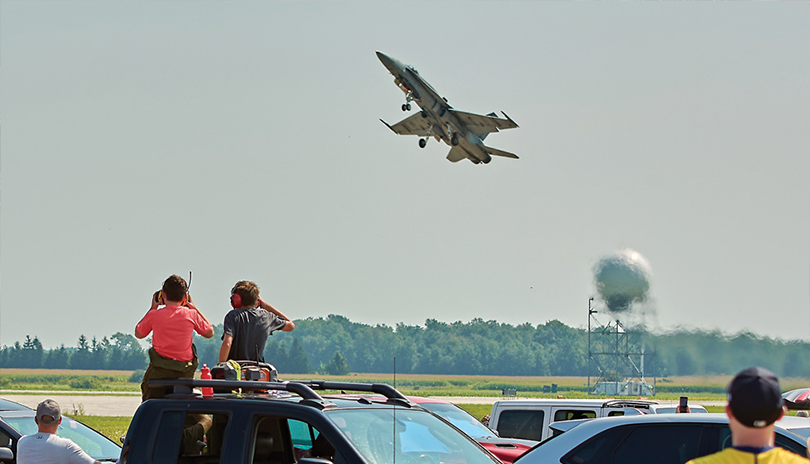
x,y
422,143
454,140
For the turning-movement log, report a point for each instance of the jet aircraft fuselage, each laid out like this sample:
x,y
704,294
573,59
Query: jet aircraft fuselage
x,y
463,132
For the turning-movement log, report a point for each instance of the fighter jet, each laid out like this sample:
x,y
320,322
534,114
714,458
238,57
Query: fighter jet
x,y
463,132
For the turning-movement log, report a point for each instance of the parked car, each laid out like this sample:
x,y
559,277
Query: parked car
x,y
505,449
530,419
275,422
14,423
659,438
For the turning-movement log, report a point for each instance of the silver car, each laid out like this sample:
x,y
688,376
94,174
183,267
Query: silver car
x,y
659,438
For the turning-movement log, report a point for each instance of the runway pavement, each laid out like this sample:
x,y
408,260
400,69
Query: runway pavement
x,y
99,404
103,404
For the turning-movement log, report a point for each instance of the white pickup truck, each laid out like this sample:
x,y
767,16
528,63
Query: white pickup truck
x,y
530,419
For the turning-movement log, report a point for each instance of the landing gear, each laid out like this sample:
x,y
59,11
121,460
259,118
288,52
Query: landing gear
x,y
422,143
424,114
454,140
406,107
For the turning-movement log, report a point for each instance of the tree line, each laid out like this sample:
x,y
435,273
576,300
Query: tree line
x,y
336,345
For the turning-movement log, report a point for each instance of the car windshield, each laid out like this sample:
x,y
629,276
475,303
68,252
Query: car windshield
x,y
803,432
6,405
406,435
460,418
93,443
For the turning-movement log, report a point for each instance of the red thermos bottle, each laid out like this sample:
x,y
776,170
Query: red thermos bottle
x,y
205,374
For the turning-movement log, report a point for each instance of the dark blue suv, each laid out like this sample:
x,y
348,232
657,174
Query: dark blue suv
x,y
288,423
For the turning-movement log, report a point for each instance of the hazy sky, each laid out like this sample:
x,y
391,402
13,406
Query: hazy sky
x,y
241,140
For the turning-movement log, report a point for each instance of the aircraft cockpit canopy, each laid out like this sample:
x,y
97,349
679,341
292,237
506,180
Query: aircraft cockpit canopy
x,y
413,69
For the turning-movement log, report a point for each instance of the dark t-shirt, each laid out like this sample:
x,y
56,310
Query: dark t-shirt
x,y
250,329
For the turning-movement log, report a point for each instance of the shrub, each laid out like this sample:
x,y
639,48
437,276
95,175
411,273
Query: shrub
x,y
136,376
87,383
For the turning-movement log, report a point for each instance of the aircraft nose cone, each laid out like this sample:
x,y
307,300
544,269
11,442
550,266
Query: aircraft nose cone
x,y
387,61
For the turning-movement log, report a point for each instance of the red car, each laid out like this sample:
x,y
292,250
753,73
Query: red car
x,y
505,449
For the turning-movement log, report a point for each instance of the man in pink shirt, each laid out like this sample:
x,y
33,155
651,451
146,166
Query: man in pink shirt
x,y
173,318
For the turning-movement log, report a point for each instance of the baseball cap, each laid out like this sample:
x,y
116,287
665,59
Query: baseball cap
x,y
754,397
48,408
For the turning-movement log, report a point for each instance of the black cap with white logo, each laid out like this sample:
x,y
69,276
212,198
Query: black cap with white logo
x,y
755,398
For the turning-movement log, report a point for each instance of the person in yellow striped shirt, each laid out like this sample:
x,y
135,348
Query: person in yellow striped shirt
x,y
754,404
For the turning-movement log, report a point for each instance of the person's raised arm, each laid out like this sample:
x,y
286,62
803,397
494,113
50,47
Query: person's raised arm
x,y
190,305
289,326
156,297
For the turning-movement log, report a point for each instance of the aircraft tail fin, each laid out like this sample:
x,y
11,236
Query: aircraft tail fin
x,y
456,154
496,152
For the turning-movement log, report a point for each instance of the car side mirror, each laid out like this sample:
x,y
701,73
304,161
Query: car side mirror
x,y
6,454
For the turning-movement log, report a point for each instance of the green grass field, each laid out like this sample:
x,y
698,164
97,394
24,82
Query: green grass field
x,y
113,427
698,388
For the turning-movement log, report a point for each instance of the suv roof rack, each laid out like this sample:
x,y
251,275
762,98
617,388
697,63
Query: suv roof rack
x,y
628,403
303,388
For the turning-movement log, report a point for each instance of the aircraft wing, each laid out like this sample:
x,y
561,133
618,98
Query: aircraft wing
x,y
496,152
481,124
413,125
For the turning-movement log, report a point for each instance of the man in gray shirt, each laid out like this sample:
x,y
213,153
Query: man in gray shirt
x,y
249,323
45,447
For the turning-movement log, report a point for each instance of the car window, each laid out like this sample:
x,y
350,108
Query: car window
x,y
670,444
308,442
802,432
521,424
405,435
723,440
573,414
790,445
184,436
5,440
598,449
460,418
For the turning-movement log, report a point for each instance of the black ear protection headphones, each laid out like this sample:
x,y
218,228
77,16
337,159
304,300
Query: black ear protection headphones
x,y
236,299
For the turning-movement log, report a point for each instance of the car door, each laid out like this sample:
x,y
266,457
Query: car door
x,y
8,438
